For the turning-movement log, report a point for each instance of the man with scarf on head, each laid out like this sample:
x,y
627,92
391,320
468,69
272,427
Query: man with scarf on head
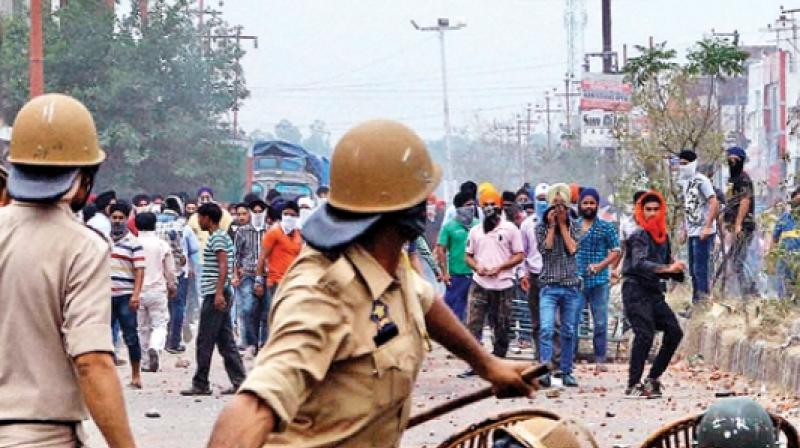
x,y
56,283
540,200
597,250
350,319
127,277
171,227
494,249
557,237
450,251
699,222
645,270
739,217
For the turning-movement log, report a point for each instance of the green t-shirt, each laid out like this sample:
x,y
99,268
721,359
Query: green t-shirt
x,y
453,237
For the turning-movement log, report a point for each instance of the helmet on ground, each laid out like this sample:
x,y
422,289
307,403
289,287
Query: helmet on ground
x,y
378,167
736,423
381,166
542,432
54,137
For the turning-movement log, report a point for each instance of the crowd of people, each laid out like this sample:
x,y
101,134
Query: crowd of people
x,y
327,291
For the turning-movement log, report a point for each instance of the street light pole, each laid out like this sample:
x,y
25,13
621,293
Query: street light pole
x,y
443,25
36,66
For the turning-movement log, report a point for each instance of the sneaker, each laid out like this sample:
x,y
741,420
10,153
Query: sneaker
x,y
545,381
466,374
153,360
177,350
195,391
637,392
568,380
654,387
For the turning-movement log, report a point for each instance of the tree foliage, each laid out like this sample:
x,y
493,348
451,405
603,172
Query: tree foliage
x,y
159,92
675,108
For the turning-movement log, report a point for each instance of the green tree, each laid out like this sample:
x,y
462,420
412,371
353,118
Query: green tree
x,y
318,140
287,131
677,104
159,95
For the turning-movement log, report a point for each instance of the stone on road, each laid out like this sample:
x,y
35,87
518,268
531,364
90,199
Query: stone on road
x,y
599,402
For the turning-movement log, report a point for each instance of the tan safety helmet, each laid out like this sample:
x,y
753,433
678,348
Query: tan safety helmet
x,y
55,130
381,166
53,138
542,432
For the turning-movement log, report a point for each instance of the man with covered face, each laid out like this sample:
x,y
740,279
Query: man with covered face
x,y
350,319
494,249
597,250
699,221
645,269
557,237
739,217
451,250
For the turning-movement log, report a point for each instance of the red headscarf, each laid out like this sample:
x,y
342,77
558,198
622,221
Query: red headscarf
x,y
657,226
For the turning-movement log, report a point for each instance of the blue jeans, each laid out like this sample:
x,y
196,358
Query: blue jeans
x,y
248,321
699,256
565,300
261,313
597,297
125,317
177,312
456,295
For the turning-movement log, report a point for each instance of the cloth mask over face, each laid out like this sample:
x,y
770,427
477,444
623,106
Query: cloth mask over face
x,y
687,172
288,224
465,215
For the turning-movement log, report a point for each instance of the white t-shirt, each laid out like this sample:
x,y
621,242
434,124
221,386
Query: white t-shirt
x,y
696,194
101,223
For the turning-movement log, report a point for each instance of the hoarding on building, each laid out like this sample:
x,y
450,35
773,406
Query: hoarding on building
x,y
605,98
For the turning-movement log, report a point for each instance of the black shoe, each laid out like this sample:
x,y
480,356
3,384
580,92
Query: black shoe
x,y
637,392
195,391
569,381
544,381
468,373
177,350
153,360
653,386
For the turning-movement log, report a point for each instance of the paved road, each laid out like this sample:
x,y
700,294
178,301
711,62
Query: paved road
x,y
598,403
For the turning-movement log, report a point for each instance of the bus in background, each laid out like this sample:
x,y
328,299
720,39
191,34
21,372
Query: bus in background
x,y
286,167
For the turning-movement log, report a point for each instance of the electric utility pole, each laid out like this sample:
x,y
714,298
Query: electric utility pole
x,y
442,25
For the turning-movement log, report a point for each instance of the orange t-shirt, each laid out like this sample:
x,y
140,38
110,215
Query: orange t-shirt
x,y
283,249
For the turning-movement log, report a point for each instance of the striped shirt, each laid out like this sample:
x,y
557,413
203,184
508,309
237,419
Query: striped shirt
x,y
217,241
247,248
126,257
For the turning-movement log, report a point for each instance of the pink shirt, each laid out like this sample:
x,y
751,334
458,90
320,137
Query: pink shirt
x,y
493,249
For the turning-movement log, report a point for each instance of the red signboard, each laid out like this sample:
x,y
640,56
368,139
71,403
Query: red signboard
x,y
605,92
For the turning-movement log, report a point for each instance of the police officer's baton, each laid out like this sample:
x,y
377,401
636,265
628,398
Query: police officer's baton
x,y
528,376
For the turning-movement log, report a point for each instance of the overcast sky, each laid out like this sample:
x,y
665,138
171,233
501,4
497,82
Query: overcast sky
x,y
345,61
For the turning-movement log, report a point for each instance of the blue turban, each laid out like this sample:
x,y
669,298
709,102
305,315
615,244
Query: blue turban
x,y
589,191
205,190
738,152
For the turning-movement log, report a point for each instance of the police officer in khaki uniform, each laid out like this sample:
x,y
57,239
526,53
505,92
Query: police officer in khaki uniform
x,y
55,304
349,322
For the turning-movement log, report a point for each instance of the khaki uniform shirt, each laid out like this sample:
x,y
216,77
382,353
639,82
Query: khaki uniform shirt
x,y
55,304
321,372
